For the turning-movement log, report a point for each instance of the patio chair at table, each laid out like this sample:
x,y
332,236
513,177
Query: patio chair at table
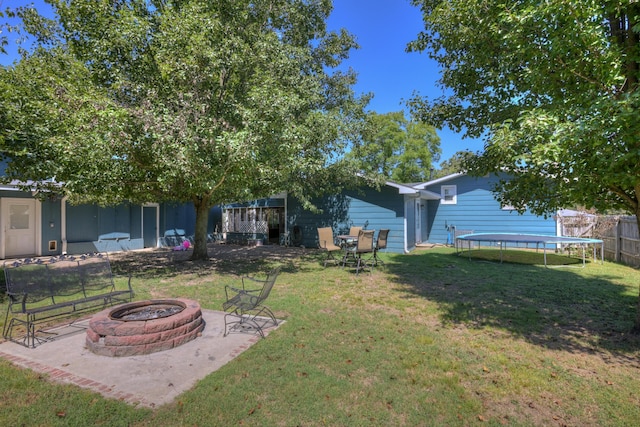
x,y
381,243
350,240
363,251
327,242
353,231
244,307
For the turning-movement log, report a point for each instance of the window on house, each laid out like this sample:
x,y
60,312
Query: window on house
x,y
449,194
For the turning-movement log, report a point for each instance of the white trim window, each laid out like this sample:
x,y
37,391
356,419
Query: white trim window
x,y
449,194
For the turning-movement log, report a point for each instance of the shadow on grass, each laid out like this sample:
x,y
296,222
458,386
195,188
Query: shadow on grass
x,y
571,309
223,259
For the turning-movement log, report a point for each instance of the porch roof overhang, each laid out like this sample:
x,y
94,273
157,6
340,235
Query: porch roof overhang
x,y
17,185
416,192
429,195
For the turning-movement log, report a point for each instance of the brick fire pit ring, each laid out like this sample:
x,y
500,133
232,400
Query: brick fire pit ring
x,y
110,334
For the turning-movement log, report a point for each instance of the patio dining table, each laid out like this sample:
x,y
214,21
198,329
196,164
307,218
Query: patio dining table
x,y
347,242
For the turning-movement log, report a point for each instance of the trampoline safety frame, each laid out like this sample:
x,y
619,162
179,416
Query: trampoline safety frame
x,y
502,239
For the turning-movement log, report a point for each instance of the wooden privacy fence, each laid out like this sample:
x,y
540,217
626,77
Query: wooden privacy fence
x,y
621,239
619,234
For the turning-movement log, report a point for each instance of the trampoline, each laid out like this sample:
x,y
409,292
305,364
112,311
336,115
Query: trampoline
x,y
504,239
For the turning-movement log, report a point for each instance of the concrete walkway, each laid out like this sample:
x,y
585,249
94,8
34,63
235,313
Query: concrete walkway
x,y
149,380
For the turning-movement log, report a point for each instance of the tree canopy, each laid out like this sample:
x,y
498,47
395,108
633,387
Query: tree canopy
x,y
452,165
181,101
396,148
552,86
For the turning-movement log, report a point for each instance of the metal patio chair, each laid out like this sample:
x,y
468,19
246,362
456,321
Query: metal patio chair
x,y
353,230
327,242
363,251
381,243
244,307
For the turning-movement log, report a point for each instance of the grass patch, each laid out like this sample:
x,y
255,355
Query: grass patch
x,y
431,338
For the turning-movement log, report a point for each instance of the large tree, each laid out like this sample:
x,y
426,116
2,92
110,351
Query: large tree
x,y
552,86
396,148
181,100
452,165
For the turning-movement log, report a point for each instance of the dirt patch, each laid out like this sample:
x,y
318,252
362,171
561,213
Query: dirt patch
x,y
222,258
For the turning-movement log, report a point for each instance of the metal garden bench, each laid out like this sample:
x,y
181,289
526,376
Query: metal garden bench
x,y
40,290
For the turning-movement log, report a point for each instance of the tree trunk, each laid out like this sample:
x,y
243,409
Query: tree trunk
x,y
200,237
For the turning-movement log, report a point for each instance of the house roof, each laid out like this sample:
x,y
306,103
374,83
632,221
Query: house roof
x,y
16,185
440,180
408,189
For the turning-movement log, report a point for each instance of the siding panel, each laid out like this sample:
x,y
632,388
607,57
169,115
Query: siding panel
x,y
368,208
478,210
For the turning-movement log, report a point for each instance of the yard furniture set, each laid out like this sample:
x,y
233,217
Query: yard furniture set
x,y
43,290
358,247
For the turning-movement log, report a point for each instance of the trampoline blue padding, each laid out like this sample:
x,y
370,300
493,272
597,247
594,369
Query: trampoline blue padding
x,y
538,239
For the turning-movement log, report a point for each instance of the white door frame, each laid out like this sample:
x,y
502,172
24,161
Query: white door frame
x,y
5,202
418,210
151,205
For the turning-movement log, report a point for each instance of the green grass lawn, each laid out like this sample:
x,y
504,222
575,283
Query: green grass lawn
x,y
429,339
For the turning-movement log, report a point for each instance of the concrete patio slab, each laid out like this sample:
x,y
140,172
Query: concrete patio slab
x,y
148,380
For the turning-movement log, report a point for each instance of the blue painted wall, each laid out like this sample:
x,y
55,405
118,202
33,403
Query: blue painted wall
x,y
183,217
478,210
51,227
104,229
107,229
91,228
370,208
177,216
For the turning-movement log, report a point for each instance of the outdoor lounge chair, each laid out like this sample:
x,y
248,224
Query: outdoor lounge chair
x,y
363,251
381,243
326,242
244,307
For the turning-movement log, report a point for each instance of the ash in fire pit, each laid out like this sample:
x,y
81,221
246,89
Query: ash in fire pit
x,y
144,327
155,311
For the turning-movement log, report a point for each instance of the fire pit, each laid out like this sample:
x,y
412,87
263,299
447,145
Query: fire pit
x,y
144,327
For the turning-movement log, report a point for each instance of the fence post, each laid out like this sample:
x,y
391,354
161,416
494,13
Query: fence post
x,y
618,255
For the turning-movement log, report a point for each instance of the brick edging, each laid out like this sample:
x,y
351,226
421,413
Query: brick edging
x,y
62,376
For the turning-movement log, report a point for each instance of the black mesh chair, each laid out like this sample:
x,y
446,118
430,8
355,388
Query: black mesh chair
x,y
244,307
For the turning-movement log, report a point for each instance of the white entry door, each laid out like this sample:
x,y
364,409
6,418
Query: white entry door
x,y
19,222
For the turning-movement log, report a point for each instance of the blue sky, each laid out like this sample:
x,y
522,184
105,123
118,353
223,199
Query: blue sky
x,y
382,28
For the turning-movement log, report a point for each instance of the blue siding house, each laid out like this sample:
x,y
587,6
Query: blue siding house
x,y
425,213
394,206
34,226
369,208
467,203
